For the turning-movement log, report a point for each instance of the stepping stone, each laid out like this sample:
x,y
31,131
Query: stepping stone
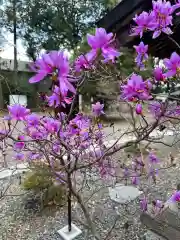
x,y
152,236
123,194
14,170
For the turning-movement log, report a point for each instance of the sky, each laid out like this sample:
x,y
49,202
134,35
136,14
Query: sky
x,y
7,50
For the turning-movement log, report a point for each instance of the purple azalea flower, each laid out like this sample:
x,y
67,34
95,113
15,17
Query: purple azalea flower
x,y
18,112
37,135
145,21
175,197
162,11
158,20
95,153
81,121
61,116
126,172
19,146
56,65
21,137
100,126
139,108
142,55
97,109
144,204
176,6
135,180
158,74
102,40
42,69
153,158
34,156
110,54
56,147
19,156
33,120
3,132
79,126
51,125
173,65
156,109
7,118
84,145
174,112
136,89
159,109
148,84
83,62
98,135
58,99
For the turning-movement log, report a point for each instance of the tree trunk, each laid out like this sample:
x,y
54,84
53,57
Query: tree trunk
x,y
15,44
86,214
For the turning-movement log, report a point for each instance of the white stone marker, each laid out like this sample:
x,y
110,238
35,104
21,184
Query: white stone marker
x,y
66,235
15,99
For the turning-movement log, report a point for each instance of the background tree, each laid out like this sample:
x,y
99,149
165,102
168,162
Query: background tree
x,y
1,46
54,24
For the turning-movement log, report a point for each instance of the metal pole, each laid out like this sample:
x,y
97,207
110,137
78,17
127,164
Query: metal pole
x,y
69,196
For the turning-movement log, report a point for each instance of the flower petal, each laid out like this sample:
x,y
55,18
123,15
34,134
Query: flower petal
x,y
38,77
156,34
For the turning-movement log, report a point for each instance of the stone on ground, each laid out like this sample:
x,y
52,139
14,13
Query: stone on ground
x,y
123,194
152,236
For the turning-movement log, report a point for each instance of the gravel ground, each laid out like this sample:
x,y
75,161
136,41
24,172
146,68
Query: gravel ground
x,y
22,219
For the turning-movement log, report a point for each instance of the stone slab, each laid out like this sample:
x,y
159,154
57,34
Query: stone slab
x,y
123,194
152,236
20,168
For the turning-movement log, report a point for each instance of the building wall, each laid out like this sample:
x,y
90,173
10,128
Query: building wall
x,y
23,87
20,86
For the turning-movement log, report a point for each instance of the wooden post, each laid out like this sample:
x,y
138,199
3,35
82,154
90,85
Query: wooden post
x,y
80,103
1,96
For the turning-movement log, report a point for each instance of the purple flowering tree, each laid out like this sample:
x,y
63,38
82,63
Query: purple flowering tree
x,y
75,148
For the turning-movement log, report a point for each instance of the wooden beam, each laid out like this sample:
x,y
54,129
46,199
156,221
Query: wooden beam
x,y
166,225
120,12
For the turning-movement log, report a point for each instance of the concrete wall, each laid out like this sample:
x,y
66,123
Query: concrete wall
x,y
23,87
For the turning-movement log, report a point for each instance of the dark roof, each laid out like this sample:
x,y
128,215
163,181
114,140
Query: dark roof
x,y
122,11
119,20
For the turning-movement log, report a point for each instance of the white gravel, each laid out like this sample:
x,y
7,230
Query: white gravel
x,y
22,219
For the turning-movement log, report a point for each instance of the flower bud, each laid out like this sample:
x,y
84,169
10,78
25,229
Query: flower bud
x,y
139,108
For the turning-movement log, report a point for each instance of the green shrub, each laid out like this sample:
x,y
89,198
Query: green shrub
x,y
40,180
